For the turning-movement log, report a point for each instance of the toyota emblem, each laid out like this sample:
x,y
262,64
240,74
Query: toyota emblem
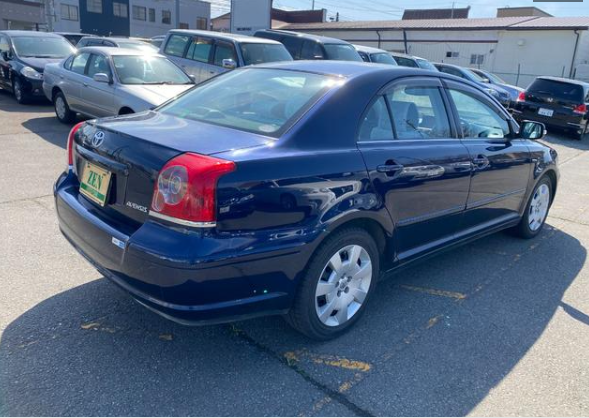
x,y
98,139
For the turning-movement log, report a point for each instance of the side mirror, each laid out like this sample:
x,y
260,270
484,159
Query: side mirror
x,y
229,64
532,130
192,77
101,78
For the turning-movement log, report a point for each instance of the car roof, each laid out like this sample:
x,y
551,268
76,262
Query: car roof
x,y
564,80
19,33
225,36
110,51
73,33
368,49
318,38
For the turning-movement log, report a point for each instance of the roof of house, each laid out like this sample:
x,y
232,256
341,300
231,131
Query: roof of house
x,y
412,14
507,23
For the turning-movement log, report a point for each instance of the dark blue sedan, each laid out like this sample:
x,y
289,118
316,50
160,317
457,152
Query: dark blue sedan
x,y
288,189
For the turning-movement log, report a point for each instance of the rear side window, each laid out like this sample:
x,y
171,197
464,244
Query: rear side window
x,y
224,51
79,63
312,51
406,62
293,45
478,119
200,49
261,53
262,101
383,58
176,45
376,125
418,112
558,90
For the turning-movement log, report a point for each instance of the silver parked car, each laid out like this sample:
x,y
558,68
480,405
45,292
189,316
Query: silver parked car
x,y
205,54
375,55
102,81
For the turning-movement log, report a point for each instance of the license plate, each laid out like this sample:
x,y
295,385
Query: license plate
x,y
94,183
545,112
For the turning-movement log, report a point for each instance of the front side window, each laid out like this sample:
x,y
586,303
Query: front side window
x,y
376,125
418,112
200,49
69,12
477,118
224,51
293,46
176,45
262,53
42,47
341,52
139,13
79,63
94,6
262,101
144,70
120,9
98,64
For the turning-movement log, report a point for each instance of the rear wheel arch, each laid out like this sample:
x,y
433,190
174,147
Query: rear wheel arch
x,y
54,93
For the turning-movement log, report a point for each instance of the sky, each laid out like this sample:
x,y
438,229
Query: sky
x,y
389,9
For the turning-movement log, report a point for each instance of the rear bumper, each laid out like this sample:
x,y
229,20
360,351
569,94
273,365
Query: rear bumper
x,y
572,122
191,277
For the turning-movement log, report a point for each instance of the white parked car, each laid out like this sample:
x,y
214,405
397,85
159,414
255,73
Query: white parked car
x,y
102,81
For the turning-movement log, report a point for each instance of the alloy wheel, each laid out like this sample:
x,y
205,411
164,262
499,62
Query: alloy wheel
x,y
539,207
60,107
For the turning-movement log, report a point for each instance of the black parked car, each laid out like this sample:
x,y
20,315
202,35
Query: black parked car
x,y
23,56
557,102
303,46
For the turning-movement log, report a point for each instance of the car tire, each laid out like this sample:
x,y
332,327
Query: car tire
x,y
19,94
536,212
62,109
332,281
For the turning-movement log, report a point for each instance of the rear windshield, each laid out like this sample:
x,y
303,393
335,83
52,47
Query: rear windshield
x,y
141,46
383,58
341,52
262,53
557,89
262,101
39,47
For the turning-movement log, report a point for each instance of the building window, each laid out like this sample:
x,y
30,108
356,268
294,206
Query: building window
x,y
94,6
452,54
183,26
477,59
167,17
139,12
69,12
152,15
120,9
201,23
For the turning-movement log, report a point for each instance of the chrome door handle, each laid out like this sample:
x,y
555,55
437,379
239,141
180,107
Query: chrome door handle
x,y
85,84
481,162
388,168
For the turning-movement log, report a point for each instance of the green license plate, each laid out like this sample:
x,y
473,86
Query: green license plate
x,y
94,183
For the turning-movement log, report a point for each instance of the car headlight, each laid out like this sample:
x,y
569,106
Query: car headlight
x,y
29,72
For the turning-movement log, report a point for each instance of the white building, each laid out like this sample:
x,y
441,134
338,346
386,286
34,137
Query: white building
x,y
516,48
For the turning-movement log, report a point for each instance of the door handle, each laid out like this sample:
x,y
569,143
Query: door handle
x,y
389,168
481,162
85,84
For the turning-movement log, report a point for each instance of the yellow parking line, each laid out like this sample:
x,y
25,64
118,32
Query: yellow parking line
x,y
328,360
434,292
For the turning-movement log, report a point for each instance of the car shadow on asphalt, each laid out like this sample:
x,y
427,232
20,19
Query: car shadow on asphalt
x,y
90,351
9,104
50,129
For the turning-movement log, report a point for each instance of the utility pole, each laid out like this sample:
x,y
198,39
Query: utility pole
x,y
313,5
452,15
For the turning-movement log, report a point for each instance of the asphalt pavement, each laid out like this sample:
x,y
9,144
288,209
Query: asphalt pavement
x,y
498,327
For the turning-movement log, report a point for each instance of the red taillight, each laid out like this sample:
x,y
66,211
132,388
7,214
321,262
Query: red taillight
x,y
521,97
70,143
580,109
185,191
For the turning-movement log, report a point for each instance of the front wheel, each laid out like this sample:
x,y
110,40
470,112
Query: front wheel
x,y
19,93
337,285
536,211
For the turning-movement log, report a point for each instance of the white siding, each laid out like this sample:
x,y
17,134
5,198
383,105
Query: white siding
x,y
62,25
